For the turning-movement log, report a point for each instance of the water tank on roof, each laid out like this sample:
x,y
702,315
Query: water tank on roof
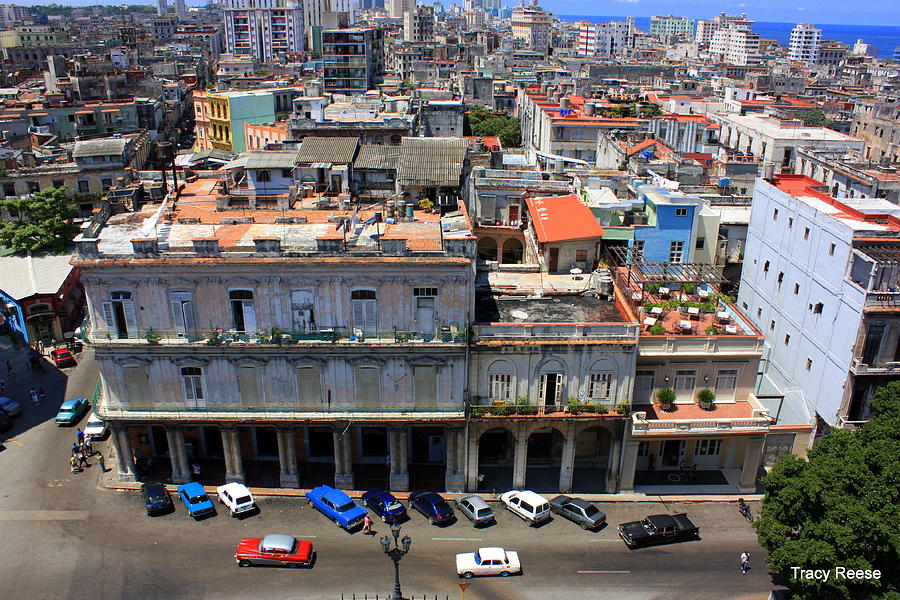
x,y
724,182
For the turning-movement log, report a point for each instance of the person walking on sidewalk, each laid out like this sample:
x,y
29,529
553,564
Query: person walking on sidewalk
x,y
74,462
101,461
82,460
88,445
745,562
80,435
367,526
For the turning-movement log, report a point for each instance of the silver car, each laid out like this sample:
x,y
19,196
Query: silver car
x,y
476,509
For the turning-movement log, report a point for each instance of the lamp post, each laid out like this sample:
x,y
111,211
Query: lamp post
x,y
395,553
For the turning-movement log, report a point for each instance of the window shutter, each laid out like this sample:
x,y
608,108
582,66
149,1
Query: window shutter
x,y
130,318
109,317
249,316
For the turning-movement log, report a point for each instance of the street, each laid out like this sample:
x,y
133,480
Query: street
x,y
66,537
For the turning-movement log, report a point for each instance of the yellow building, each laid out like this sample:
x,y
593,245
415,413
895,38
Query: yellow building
x,y
32,35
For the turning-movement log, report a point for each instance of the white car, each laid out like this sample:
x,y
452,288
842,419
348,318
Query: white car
x,y
488,561
531,507
236,497
95,427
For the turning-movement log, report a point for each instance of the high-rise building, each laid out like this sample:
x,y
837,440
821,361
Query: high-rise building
x,y
473,5
162,8
605,40
418,24
805,43
706,29
180,9
532,24
396,8
671,26
353,58
264,32
735,47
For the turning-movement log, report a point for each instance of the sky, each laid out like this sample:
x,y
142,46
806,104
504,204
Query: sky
x,y
869,12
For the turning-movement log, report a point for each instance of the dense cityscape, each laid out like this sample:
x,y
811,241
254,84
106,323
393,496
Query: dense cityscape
x,y
425,296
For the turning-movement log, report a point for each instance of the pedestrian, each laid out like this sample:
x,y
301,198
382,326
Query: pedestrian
x,y
651,462
196,469
35,399
367,526
75,448
82,460
40,347
694,472
74,462
9,369
101,461
88,444
42,394
745,562
80,435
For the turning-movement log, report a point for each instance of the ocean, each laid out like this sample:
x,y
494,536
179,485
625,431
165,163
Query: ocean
x,y
883,37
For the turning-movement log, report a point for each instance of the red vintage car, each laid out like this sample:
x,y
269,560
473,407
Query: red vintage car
x,y
62,357
275,549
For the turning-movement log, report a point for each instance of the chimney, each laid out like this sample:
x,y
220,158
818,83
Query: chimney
x,y
268,245
206,246
144,247
564,103
768,171
589,109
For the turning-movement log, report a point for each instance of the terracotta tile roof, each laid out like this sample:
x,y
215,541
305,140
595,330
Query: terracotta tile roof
x,y
562,218
721,410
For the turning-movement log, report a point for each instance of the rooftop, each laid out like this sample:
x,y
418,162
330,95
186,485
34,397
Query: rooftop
x,y
865,214
25,276
786,130
562,218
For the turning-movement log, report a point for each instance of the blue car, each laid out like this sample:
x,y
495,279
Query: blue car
x,y
384,505
337,506
195,499
71,411
432,506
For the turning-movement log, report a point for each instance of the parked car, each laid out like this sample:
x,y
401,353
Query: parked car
x,y
527,505
195,499
658,529
156,499
578,511
488,561
62,357
275,549
5,420
95,427
432,506
475,509
337,506
10,407
385,505
236,497
71,411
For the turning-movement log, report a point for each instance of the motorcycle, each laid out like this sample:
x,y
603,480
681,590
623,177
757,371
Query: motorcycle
x,y
745,510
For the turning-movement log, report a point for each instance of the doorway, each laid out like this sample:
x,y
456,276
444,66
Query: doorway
x,y
672,452
550,388
554,260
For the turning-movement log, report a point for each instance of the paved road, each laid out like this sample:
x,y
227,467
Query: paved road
x,y
64,537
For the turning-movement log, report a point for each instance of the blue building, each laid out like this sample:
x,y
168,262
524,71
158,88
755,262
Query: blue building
x,y
677,229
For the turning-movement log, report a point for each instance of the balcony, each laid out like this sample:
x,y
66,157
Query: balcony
x,y
486,409
861,368
570,331
747,416
275,337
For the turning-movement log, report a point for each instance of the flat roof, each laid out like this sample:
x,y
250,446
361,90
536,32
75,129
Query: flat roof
x,y
773,128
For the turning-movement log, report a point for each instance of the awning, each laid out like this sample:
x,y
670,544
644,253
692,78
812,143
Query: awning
x,y
320,166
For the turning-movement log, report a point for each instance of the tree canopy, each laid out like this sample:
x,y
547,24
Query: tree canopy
x,y
483,123
813,117
839,508
39,221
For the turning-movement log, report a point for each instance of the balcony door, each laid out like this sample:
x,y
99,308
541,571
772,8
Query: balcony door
x,y
550,390
364,309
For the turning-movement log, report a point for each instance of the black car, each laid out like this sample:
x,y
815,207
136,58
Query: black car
x,y
432,506
658,529
385,505
578,511
5,420
156,499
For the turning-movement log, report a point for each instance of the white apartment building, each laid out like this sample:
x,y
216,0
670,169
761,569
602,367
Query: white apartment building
x,y
805,43
820,280
671,26
605,40
263,28
532,24
706,29
735,47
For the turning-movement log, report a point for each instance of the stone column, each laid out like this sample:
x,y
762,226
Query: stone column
x,y
399,477
287,458
471,473
612,469
455,477
343,475
178,476
181,453
237,460
520,461
567,465
122,446
629,463
752,457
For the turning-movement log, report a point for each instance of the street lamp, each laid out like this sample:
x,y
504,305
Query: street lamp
x,y
399,550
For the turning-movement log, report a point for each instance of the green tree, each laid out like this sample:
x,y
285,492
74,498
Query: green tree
x,y
813,117
40,221
483,123
839,508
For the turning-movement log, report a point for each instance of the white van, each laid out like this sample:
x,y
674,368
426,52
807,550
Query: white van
x,y
531,507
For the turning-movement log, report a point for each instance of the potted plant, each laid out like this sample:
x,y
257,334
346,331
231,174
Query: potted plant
x,y
624,407
712,330
573,405
706,398
689,288
665,397
656,329
152,337
276,336
213,338
651,288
